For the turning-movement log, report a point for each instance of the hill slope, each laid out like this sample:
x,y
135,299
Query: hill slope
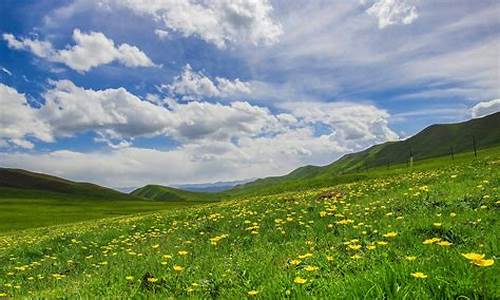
x,y
433,141
19,183
165,193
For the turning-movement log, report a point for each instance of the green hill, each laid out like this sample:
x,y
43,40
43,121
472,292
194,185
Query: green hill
x,y
165,193
17,183
433,141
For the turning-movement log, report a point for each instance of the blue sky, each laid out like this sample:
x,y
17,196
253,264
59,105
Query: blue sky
x,y
124,93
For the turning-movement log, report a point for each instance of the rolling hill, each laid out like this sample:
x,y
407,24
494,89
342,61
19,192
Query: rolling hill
x,y
18,183
165,193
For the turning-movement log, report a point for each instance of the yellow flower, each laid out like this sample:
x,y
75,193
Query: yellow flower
x,y
354,247
155,246
152,279
252,293
431,241
356,256
183,253
306,255
444,244
3,295
129,278
295,262
329,258
390,234
419,275
483,262
178,268
299,280
410,258
311,268
473,256
437,224
371,247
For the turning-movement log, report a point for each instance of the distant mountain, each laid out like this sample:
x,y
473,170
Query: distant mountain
x,y
212,187
20,182
165,193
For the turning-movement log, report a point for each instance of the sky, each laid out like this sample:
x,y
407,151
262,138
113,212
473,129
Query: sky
x,y
124,93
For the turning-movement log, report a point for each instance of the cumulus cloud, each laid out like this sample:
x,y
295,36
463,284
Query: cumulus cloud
x,y
485,108
18,120
116,116
215,21
191,85
390,12
90,50
355,124
114,113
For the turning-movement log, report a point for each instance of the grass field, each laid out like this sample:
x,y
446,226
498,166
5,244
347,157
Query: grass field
x,y
398,233
16,214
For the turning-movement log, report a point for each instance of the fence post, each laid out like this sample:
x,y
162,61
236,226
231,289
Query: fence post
x,y
474,145
411,158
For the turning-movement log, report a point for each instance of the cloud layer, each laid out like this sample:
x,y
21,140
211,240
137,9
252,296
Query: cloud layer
x,y
485,108
194,85
235,140
220,22
391,12
90,50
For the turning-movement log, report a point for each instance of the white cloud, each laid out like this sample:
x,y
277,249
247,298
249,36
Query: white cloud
x,y
117,115
91,50
390,12
485,108
215,21
114,113
6,71
355,124
161,34
192,85
18,120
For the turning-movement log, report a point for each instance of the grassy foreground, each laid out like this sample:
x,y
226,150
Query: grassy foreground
x,y
408,234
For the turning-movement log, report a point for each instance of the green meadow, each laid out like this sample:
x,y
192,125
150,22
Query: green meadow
x,y
430,231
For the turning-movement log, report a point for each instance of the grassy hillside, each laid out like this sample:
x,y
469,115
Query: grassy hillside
x,y
433,141
395,234
29,200
164,193
22,183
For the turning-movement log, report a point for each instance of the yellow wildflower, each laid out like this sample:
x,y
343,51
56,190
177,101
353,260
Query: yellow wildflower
x,y
419,275
390,234
483,262
178,268
311,268
252,293
299,280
